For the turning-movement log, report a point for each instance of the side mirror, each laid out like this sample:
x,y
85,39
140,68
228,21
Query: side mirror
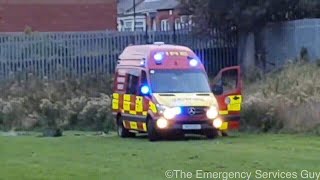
x,y
216,89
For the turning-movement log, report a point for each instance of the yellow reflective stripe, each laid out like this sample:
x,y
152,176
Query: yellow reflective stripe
x,y
234,107
139,107
144,125
115,101
133,125
224,126
152,107
126,97
235,99
133,112
126,105
115,96
139,104
144,113
139,98
115,104
235,103
223,112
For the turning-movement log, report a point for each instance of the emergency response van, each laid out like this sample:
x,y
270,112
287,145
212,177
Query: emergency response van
x,y
162,89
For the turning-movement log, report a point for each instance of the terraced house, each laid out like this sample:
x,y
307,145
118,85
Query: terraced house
x,y
156,15
58,15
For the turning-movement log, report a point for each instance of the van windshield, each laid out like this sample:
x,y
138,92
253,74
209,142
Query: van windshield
x,y
179,81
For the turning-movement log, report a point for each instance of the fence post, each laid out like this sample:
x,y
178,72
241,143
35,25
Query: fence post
x,y
174,34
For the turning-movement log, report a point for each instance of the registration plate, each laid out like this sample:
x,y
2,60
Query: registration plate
x,y
191,126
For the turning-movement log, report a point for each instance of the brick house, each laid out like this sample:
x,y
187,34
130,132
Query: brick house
x,y
58,15
157,15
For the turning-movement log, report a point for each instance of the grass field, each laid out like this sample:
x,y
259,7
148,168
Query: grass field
x,y
87,156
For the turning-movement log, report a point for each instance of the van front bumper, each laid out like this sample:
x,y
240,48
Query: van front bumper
x,y
187,127
204,125
229,122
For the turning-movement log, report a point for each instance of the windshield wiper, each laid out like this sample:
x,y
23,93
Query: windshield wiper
x,y
166,94
176,92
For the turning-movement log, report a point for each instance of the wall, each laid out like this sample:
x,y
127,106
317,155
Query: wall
x,y
283,41
170,15
58,15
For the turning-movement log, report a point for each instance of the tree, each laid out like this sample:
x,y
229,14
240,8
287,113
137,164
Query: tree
x,y
247,18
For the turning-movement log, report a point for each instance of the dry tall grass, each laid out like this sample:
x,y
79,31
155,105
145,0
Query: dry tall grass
x,y
68,104
287,100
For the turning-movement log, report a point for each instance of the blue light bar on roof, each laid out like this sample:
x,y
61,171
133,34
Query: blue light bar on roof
x,y
158,57
193,62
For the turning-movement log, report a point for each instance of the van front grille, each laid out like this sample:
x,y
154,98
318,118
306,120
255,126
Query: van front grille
x,y
193,111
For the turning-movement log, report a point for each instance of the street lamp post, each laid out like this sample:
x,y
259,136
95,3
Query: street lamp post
x,y
146,15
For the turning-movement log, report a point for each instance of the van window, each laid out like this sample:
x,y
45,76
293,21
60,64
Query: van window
x,y
133,82
229,80
119,82
179,81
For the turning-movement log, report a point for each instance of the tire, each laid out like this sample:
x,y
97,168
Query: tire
x,y
224,134
153,135
212,134
123,132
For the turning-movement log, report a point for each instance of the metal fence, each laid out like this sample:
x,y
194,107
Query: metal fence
x,y
60,55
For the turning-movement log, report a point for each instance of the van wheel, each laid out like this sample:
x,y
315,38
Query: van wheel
x,y
123,132
212,134
152,131
224,134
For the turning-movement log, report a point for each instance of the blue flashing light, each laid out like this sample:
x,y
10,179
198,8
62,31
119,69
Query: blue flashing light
x,y
145,89
193,62
158,57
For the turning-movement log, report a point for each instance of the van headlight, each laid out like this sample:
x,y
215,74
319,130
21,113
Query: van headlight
x,y
169,113
212,112
162,123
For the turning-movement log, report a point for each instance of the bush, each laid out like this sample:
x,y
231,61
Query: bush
x,y
75,106
96,114
318,62
12,113
302,118
53,114
82,104
285,101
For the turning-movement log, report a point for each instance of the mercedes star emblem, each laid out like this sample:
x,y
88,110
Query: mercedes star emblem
x,y
191,111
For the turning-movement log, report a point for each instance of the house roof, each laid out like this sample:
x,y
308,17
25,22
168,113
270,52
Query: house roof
x,y
155,5
125,5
